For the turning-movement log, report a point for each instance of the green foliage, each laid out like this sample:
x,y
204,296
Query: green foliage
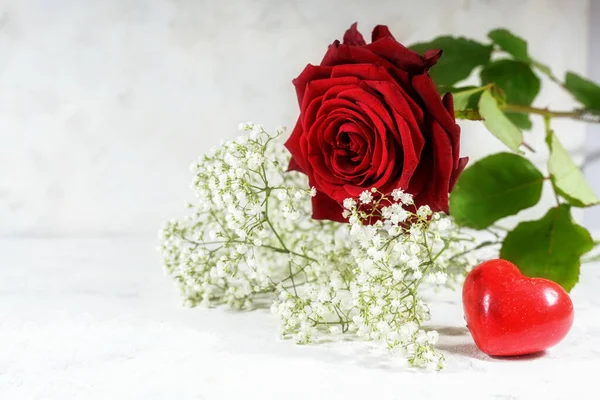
x,y
519,83
460,57
498,123
504,184
567,178
584,90
493,188
467,97
549,248
510,43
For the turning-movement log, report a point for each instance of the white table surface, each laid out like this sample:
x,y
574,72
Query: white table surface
x,y
97,319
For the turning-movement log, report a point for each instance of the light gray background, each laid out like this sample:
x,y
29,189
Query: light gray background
x,y
592,167
104,103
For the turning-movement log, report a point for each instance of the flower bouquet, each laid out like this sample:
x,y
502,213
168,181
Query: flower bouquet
x,y
340,225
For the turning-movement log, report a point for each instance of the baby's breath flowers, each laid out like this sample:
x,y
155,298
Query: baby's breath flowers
x,y
250,239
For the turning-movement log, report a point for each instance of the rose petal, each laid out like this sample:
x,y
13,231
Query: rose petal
x,y
454,133
309,74
297,162
433,103
361,71
326,208
431,57
398,55
462,163
353,37
399,102
381,31
435,192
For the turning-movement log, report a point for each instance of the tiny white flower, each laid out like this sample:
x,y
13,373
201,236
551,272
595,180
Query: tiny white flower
x,y
243,126
397,194
443,224
335,329
407,199
282,195
366,197
424,211
349,203
432,337
242,139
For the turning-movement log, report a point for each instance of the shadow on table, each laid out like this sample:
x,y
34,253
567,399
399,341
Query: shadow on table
x,y
469,349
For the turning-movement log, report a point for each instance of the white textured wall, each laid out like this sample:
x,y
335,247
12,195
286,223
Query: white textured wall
x,y
104,103
592,167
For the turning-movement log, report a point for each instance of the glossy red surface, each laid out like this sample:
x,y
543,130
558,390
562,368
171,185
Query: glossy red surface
x,y
509,314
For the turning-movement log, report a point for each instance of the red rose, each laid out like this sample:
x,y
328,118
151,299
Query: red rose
x,y
370,116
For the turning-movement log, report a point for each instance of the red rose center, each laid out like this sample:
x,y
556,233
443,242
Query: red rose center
x,y
351,146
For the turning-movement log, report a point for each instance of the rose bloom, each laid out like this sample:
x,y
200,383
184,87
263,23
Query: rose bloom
x,y
371,117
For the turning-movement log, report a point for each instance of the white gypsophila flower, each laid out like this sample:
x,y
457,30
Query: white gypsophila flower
x,y
424,211
349,204
250,237
366,197
443,224
406,199
397,194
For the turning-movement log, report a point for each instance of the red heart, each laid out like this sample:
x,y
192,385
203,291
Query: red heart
x,y
509,314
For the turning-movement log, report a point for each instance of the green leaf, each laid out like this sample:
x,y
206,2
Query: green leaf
x,y
586,91
549,248
498,123
460,56
544,69
515,78
567,178
510,43
517,47
520,120
467,97
518,82
495,187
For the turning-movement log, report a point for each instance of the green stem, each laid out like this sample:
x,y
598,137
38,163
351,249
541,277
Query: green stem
x,y
270,224
264,246
579,115
590,259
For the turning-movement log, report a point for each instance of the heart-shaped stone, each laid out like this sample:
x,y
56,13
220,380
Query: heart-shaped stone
x,y
510,314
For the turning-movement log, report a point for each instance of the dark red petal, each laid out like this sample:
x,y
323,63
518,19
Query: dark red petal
x,y
454,133
403,105
338,54
422,176
361,71
319,87
435,192
293,144
433,103
353,37
294,166
325,207
431,57
462,163
310,73
398,55
410,155
381,31
377,113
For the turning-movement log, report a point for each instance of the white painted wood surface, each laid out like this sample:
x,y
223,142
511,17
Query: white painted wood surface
x,y
96,319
